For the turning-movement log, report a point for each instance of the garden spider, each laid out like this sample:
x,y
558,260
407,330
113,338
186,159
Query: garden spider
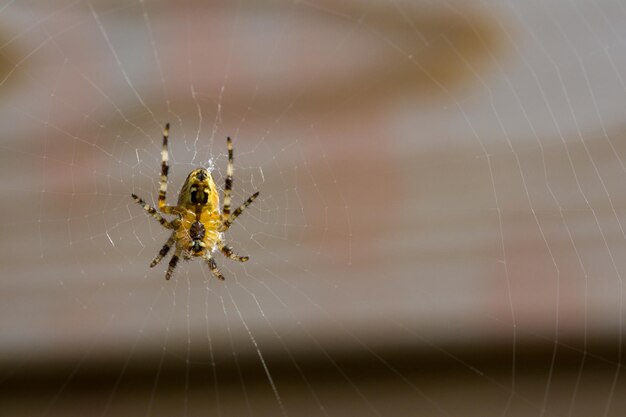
x,y
199,226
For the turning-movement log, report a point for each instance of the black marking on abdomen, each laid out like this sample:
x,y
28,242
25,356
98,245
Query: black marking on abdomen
x,y
197,231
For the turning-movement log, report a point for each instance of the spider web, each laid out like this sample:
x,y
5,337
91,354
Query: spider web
x,y
438,232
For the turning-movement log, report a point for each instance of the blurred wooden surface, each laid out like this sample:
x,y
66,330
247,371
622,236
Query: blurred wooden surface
x,y
436,178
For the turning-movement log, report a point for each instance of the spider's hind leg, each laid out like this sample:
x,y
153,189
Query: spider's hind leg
x,y
173,262
228,252
164,250
213,266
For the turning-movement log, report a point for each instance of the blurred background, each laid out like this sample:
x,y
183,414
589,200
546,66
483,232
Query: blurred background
x,y
440,229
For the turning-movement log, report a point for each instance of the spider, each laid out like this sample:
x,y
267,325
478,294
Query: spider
x,y
199,225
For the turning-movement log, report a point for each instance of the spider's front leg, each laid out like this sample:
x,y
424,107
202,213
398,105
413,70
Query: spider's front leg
x,y
227,217
152,211
165,168
228,183
228,220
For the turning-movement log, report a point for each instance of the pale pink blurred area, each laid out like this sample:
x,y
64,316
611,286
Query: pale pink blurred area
x,y
440,227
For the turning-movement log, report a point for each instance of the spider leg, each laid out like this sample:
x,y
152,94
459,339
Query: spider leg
x,y
228,252
213,266
230,219
152,211
228,186
164,250
165,168
173,262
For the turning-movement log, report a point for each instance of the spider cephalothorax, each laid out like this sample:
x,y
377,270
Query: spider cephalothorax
x,y
198,227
